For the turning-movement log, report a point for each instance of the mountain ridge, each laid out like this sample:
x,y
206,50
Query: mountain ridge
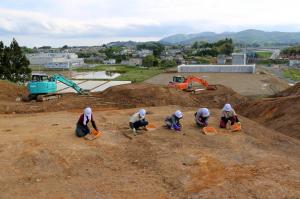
x,y
249,36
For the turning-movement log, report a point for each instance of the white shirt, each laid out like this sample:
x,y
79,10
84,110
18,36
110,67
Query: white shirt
x,y
135,117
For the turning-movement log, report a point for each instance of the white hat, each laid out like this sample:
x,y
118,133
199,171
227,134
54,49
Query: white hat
x,y
87,111
178,114
205,112
142,112
227,107
88,115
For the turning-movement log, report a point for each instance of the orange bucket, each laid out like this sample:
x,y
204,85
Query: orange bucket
x,y
151,127
96,133
209,130
236,127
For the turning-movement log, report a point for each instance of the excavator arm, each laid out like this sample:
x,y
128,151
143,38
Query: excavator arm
x,y
68,82
188,80
191,79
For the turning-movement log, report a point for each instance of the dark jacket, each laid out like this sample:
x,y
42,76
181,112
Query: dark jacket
x,y
81,119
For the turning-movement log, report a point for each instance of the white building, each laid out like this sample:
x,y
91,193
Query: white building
x,y
294,63
239,59
110,61
221,59
144,53
216,68
55,60
135,62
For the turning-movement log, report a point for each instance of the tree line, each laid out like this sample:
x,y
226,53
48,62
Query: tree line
x,y
291,51
224,46
14,66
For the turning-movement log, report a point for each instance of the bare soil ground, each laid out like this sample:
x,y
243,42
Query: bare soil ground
x,y
280,112
244,84
292,91
42,158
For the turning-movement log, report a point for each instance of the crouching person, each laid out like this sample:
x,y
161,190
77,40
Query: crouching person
x,y
201,117
82,128
228,115
138,120
173,121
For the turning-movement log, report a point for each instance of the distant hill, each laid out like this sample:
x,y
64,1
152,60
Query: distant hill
x,y
250,36
123,43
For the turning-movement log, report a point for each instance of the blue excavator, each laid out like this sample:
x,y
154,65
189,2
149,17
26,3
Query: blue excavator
x,y
43,88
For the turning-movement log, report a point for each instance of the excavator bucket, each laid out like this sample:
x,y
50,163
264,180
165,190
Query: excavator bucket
x,y
209,130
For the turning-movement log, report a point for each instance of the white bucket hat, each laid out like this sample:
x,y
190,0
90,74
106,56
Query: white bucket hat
x,y
178,114
227,107
205,112
142,113
87,115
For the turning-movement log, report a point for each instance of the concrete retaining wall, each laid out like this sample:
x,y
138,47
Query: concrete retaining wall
x,y
216,69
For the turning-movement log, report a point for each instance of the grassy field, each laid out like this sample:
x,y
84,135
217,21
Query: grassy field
x,y
293,74
128,73
263,54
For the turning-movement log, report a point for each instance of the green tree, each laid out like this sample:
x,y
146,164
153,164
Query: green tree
x,y
150,61
64,47
168,63
226,48
1,60
156,47
195,45
15,66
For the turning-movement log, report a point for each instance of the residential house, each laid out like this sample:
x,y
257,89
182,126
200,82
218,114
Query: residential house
x,y
110,61
144,53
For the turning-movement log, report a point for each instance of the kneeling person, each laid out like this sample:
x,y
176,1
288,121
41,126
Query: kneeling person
x,y
228,115
138,120
82,128
201,117
173,121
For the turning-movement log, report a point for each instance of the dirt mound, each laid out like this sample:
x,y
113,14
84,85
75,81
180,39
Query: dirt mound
x,y
154,95
128,96
219,97
10,91
137,95
292,91
281,113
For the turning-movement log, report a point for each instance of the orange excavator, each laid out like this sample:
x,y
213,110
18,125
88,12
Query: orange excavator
x,y
186,83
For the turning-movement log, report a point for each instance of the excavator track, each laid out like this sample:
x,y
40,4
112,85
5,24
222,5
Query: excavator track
x,y
42,98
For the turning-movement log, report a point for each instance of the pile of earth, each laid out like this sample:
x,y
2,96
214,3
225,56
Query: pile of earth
x,y
141,95
217,98
138,95
292,91
10,91
129,96
279,113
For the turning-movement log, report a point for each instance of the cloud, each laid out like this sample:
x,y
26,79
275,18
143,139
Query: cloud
x,y
69,20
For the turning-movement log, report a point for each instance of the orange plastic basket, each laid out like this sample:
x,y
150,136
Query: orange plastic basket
x,y
96,133
151,127
236,127
209,130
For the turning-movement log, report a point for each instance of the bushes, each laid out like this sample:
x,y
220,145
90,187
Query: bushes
x,y
291,51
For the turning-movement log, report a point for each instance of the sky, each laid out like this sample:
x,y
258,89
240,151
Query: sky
x,y
94,22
